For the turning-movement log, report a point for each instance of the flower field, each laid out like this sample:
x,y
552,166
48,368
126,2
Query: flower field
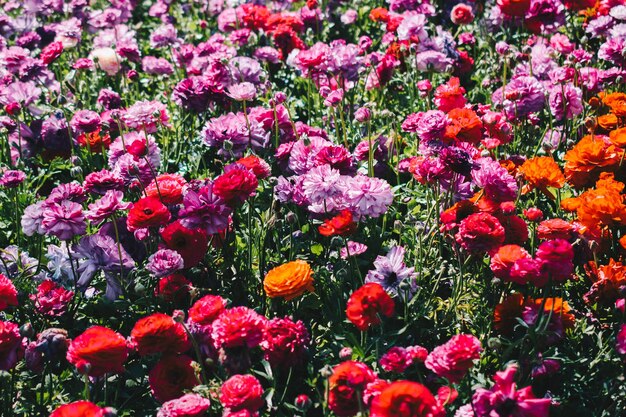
x,y
399,208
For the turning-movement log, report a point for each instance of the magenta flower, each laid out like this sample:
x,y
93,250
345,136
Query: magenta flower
x,y
454,358
64,220
106,206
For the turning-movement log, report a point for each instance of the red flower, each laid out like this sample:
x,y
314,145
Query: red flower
x,y
191,244
11,345
51,299
367,304
8,293
285,342
514,8
449,96
79,409
504,260
252,16
340,225
51,52
237,327
98,351
167,187
173,288
159,333
462,14
258,166
241,392
94,141
147,212
171,376
206,309
287,40
480,233
347,384
405,399
235,185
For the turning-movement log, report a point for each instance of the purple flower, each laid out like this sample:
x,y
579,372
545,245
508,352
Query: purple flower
x,y
230,134
429,125
72,191
32,219
323,188
204,209
392,273
164,262
164,36
432,61
366,196
11,178
613,51
566,101
193,94
106,206
64,220
352,249
412,26
156,66
522,96
109,99
54,133
101,252
547,15
495,180
85,121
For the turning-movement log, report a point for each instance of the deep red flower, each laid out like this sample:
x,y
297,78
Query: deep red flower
x,y
258,166
159,333
367,304
11,345
253,17
347,384
191,244
207,309
51,299
98,351
173,288
286,40
171,376
51,52
242,392
8,293
340,225
405,399
480,233
147,212
514,8
79,409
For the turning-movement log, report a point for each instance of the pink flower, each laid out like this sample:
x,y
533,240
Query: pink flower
x,y
556,257
352,249
51,299
454,358
64,220
8,293
241,92
504,393
241,392
480,233
11,345
146,115
620,343
237,327
396,359
106,207
189,405
285,342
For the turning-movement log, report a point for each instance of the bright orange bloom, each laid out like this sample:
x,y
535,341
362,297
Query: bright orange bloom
x,y
558,307
95,141
618,137
616,102
608,121
289,280
607,282
589,157
464,126
542,172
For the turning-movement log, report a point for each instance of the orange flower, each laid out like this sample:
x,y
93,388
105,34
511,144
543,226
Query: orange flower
x,y
558,307
618,137
289,280
464,126
608,121
607,282
589,157
616,102
506,313
542,172
95,141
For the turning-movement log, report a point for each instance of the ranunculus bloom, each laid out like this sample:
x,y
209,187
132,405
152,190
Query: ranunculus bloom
x,y
206,309
405,399
289,280
78,409
189,405
514,8
98,351
173,288
191,244
346,387
462,14
396,359
51,299
238,327
454,358
505,258
235,185
168,187
367,304
340,225
620,342
11,345
8,293
285,342
147,212
159,333
480,233
242,392
450,95
258,166
107,60
556,257
541,172
171,376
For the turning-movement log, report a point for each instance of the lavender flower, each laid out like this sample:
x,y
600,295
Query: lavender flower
x,y
204,209
146,115
393,275
164,262
32,219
